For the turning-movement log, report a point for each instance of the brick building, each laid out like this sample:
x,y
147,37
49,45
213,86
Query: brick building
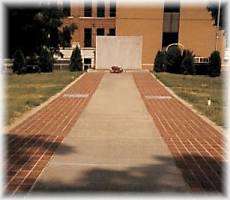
x,y
159,24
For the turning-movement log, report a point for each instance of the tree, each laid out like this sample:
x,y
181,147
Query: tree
x,y
159,62
49,20
187,64
76,60
173,59
45,61
18,61
32,28
215,64
66,35
213,8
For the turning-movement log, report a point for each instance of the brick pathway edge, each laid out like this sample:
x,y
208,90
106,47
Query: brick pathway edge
x,y
31,144
190,106
32,111
197,147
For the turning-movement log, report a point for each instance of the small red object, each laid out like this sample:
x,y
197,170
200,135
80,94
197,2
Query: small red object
x,y
116,69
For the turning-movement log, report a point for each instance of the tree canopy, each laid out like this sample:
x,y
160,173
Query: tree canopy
x,y
31,28
213,8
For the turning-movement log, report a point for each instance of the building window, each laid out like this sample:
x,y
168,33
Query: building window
x,y
100,31
112,9
172,7
88,9
169,38
87,37
66,9
112,31
171,22
101,9
87,63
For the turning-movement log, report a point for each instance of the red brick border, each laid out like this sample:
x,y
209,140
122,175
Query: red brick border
x,y
196,146
31,144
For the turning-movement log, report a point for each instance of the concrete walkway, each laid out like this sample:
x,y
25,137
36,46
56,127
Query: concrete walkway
x,y
114,147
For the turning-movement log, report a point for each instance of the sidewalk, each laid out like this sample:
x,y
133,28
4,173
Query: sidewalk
x,y
115,132
115,147
197,147
31,144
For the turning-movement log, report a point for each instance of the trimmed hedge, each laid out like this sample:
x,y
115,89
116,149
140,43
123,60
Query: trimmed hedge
x,y
173,59
159,62
202,68
19,62
187,64
215,64
76,60
45,61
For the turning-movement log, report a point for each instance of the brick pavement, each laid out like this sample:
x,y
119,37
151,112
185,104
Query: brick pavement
x,y
196,146
31,144
115,147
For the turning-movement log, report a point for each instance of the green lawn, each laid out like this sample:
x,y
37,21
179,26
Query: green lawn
x,y
196,90
24,92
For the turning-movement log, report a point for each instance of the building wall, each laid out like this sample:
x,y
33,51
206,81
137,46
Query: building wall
x,y
142,21
196,29
77,17
197,32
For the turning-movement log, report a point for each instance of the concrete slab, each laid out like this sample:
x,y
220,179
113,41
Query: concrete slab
x,y
111,151
111,178
124,51
115,147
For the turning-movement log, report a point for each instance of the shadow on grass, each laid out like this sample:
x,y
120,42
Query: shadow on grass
x,y
161,175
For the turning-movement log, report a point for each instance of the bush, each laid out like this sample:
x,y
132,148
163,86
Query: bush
x,y
76,60
159,62
45,61
32,60
215,64
202,68
19,62
187,64
30,69
173,59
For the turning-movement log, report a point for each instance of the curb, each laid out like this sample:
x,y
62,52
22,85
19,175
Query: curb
x,y
29,113
190,106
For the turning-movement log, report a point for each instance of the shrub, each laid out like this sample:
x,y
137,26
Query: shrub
x,y
159,62
215,64
187,63
76,60
45,61
30,69
202,68
32,60
19,62
173,59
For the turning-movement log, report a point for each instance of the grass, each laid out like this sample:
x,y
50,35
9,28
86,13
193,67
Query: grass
x,y
197,90
24,92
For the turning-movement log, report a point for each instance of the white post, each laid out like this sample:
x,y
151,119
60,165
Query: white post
x,y
218,19
218,25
